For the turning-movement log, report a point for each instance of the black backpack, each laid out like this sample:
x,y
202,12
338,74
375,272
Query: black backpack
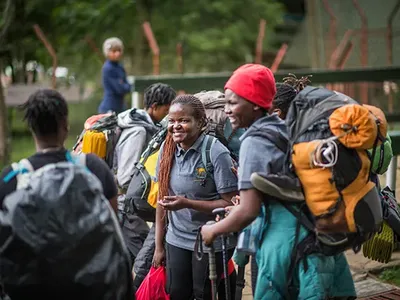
x,y
141,184
59,230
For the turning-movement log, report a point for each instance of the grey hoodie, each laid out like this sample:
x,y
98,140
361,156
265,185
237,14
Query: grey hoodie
x,y
137,130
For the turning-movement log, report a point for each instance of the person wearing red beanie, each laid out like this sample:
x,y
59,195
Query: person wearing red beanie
x,y
249,93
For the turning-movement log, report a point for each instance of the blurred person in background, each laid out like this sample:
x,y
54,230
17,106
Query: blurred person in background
x,y
114,79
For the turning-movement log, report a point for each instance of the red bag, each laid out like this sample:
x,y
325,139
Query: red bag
x,y
153,286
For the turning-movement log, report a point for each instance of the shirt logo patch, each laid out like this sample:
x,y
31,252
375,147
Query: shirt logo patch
x,y
201,173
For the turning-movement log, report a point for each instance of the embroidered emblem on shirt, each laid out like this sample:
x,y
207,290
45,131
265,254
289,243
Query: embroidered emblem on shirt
x,y
200,172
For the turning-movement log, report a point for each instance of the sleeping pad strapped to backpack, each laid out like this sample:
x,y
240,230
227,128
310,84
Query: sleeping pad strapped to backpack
x,y
59,231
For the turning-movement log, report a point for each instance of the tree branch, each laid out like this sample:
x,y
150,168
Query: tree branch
x,y
8,16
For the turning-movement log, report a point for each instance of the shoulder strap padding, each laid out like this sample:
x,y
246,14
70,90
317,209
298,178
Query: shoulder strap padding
x,y
206,153
19,169
82,159
274,136
27,165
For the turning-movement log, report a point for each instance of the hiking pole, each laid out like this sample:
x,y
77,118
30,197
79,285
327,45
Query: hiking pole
x,y
198,248
213,269
240,283
221,213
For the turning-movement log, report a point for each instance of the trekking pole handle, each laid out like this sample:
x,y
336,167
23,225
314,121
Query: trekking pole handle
x,y
211,259
219,212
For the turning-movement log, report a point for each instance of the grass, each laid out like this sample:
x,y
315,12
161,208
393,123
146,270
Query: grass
x,y
391,275
22,144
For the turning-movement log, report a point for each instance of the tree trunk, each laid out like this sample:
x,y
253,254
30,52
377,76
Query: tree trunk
x,y
8,15
4,138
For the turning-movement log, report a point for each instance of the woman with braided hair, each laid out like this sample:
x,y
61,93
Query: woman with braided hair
x,y
188,193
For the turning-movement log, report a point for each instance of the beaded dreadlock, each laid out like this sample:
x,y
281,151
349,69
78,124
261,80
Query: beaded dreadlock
x,y
158,94
298,84
199,113
287,91
45,111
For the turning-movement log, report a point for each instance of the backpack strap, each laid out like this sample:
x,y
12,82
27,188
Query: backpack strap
x,y
206,154
79,159
82,159
18,169
277,138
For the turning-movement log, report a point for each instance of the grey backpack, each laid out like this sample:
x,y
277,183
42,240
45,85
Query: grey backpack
x,y
58,230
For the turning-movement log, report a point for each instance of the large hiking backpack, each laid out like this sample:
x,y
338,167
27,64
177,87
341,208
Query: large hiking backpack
x,y
329,136
141,194
99,136
308,125
342,207
59,230
218,123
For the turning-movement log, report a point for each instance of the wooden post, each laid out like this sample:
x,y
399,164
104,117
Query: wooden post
x,y
179,54
279,57
389,48
153,46
260,39
51,51
93,46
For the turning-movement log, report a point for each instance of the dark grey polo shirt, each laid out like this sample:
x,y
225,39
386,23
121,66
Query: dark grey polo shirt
x,y
258,154
185,181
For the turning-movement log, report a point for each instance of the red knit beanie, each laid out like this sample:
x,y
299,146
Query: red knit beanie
x,y
255,83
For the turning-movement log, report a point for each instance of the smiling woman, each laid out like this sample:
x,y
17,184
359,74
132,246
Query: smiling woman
x,y
186,121
189,191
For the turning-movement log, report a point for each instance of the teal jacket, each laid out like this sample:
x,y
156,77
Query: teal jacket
x,y
325,276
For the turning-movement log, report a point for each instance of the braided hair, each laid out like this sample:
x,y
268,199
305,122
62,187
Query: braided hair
x,y
158,94
287,91
45,112
199,113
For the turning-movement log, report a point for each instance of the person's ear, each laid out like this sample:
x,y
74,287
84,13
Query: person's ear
x,y
256,108
153,107
277,111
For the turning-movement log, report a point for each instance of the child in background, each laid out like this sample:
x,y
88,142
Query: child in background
x,y
114,78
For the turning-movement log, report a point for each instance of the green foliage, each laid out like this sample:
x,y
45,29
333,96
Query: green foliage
x,y
22,142
217,34
391,275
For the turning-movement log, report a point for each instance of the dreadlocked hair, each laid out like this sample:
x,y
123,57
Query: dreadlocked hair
x,y
298,84
158,94
285,93
45,111
167,156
